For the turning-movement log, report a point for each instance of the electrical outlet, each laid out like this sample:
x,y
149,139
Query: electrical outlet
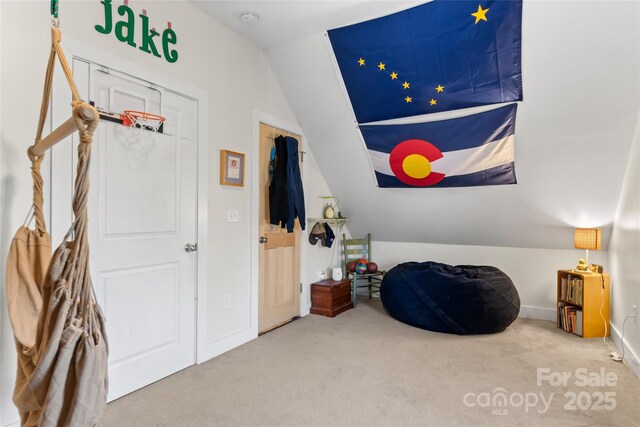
x,y
232,215
323,275
227,301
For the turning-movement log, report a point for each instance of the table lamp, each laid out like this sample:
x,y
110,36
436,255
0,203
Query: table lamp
x,y
587,238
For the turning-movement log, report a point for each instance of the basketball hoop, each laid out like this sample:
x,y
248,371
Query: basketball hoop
x,y
142,120
142,127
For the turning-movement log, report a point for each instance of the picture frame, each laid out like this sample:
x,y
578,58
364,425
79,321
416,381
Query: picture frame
x,y
231,168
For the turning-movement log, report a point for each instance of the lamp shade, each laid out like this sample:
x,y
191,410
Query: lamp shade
x,y
588,238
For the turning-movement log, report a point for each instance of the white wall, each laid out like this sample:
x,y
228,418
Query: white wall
x,y
236,75
533,271
320,258
624,258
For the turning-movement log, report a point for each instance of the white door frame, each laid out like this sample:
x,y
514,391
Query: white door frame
x,y
82,51
305,296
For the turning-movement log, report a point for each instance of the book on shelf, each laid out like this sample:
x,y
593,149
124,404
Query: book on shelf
x,y
570,318
571,289
579,322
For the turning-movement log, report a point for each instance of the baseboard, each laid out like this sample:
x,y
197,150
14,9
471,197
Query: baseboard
x,y
630,358
539,313
227,343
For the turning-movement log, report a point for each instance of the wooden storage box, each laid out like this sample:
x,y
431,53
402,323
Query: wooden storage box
x,y
330,298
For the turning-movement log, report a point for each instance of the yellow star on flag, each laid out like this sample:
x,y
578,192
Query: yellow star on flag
x,y
440,88
433,102
481,14
381,66
394,75
408,99
361,62
405,85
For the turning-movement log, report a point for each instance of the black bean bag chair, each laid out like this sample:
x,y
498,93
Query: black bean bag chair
x,y
462,299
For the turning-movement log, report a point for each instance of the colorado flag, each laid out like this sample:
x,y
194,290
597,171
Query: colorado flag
x,y
439,56
468,151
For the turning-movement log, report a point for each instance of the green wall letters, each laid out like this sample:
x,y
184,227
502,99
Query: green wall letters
x,y
125,32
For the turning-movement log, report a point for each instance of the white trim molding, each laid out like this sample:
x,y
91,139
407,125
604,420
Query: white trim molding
x,y
539,313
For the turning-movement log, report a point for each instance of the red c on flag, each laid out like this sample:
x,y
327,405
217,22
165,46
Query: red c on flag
x,y
411,160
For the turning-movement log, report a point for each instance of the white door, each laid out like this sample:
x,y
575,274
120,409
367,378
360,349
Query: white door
x,y
142,213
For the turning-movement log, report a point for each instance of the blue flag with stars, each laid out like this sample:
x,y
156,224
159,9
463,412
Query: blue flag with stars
x,y
442,55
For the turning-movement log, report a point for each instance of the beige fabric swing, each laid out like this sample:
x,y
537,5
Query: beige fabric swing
x,y
58,326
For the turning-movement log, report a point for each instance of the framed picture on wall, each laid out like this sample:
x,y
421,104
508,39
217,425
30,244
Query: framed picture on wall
x,y
231,168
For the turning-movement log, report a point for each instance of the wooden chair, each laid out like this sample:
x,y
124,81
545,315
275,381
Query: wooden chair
x,y
352,250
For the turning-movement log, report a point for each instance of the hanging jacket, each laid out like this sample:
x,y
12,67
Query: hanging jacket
x,y
278,196
294,185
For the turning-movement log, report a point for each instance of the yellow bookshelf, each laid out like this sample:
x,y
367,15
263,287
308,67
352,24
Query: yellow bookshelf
x,y
579,300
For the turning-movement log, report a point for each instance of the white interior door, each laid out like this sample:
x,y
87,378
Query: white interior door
x,y
142,213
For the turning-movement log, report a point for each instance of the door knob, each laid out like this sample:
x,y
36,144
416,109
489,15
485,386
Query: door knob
x,y
190,247
262,239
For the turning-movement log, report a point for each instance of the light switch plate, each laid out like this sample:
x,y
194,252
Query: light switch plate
x,y
232,215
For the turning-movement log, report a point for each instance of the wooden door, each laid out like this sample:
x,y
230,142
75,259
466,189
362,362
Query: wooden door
x,y
142,212
279,256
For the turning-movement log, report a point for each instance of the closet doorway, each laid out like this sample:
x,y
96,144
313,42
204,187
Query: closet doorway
x,y
279,284
143,206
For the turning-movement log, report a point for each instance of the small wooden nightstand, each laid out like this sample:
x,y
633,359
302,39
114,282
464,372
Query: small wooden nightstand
x,y
330,297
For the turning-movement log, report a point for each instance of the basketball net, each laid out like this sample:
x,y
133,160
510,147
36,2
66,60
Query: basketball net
x,y
143,127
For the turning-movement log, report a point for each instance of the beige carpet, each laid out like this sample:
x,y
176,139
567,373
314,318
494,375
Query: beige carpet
x,y
364,368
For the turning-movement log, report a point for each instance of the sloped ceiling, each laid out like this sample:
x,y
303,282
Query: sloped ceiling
x,y
581,80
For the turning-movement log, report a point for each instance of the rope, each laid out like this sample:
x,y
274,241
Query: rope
x,y
46,94
56,50
36,161
38,197
83,289
56,38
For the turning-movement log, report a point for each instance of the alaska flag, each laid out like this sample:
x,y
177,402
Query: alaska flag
x,y
468,151
442,55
